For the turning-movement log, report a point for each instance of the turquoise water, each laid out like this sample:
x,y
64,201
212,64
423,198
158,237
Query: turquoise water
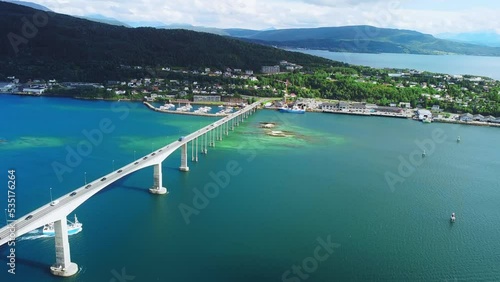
x,y
448,64
326,180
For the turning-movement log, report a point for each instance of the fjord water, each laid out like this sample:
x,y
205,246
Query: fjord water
x,y
446,64
327,182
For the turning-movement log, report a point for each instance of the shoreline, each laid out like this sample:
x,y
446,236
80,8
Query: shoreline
x,y
475,123
389,115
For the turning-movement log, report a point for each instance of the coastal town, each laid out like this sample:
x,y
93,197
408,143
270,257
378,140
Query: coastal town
x,y
237,87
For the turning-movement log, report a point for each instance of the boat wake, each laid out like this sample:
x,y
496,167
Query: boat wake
x,y
33,235
38,234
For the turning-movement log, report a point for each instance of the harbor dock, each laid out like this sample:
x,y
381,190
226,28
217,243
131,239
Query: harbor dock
x,y
183,113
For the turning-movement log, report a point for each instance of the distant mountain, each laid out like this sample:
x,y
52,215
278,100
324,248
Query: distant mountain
x,y
240,32
103,19
482,38
212,30
145,23
74,49
366,39
29,4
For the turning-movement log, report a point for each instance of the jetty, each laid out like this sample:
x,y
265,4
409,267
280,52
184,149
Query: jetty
x,y
183,113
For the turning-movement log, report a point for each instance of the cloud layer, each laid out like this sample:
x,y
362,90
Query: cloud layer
x,y
428,16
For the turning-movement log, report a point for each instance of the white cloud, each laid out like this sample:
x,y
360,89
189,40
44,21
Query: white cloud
x,y
260,14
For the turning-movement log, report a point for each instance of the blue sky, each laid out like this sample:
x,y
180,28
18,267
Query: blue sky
x,y
429,16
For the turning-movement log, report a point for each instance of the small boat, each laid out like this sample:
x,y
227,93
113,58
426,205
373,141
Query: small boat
x,y
426,120
423,154
452,219
73,228
167,107
293,110
221,106
458,139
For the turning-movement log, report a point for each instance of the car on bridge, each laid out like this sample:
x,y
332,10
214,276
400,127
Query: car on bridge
x,y
88,186
72,194
181,138
55,202
28,217
119,171
104,178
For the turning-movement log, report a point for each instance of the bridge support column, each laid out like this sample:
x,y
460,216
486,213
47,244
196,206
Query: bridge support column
x,y
214,132
192,150
157,181
184,164
196,158
63,266
204,143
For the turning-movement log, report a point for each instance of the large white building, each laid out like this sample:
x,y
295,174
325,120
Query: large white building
x,y
34,91
423,114
271,69
207,98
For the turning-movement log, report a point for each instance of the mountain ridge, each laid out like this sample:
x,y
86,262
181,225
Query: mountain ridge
x,y
72,48
362,38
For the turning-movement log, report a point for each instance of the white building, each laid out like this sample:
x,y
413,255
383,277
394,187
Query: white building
x,y
34,91
207,98
423,113
271,69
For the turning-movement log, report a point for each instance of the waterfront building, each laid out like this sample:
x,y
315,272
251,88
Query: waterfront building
x,y
466,117
478,118
489,118
206,98
357,107
423,114
34,91
389,109
342,105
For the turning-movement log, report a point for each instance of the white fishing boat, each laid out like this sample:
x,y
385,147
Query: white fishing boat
x,y
73,228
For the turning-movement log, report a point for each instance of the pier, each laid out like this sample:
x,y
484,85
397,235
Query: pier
x,y
183,113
